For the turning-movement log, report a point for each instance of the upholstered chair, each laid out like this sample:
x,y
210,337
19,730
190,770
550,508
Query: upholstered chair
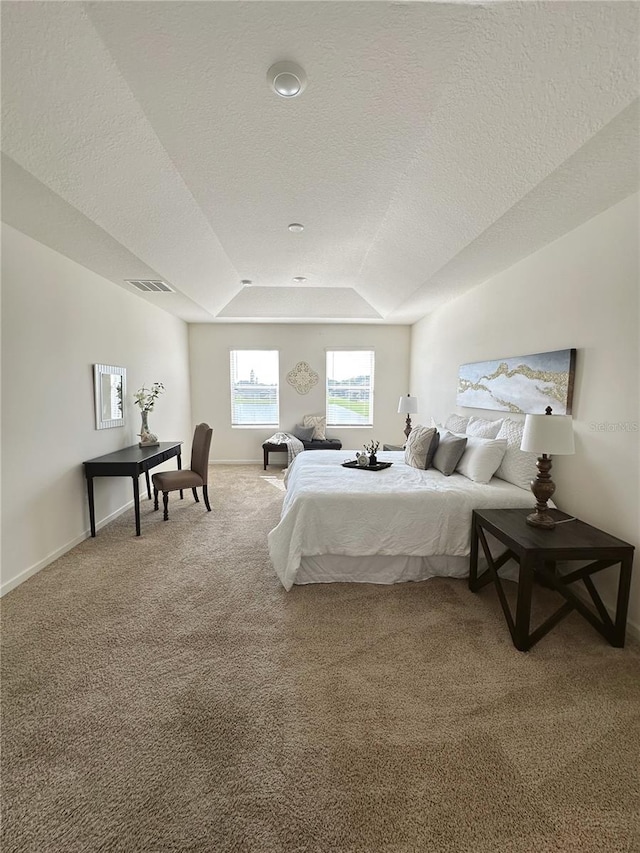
x,y
191,478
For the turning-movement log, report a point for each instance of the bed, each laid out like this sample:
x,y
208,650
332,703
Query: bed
x,y
389,526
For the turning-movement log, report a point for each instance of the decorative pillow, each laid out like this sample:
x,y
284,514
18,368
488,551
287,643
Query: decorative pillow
x,y
449,452
481,458
431,452
304,433
319,424
418,446
484,428
456,423
518,466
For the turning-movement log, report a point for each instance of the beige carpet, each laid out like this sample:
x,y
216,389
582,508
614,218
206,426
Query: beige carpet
x,y
166,694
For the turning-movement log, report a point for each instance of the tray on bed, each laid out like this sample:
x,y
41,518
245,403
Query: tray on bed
x,y
377,467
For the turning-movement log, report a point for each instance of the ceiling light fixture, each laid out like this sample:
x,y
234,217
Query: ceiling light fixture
x,y
296,228
287,79
299,279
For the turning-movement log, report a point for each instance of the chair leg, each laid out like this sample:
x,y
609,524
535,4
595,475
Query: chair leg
x,y
205,495
155,499
165,501
195,495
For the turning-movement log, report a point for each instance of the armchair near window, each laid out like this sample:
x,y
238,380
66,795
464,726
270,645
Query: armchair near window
x,y
191,478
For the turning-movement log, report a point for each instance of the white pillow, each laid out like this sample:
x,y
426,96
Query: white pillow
x,y
483,428
418,446
518,466
319,424
481,458
456,423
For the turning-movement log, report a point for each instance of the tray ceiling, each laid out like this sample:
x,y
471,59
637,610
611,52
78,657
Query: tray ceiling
x,y
434,145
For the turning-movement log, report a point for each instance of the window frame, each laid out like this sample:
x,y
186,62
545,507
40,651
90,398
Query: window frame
x,y
232,389
371,350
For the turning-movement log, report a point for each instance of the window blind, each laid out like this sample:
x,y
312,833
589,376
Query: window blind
x,y
254,388
350,383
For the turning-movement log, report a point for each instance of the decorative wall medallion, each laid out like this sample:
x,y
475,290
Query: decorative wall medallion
x,y
302,377
526,383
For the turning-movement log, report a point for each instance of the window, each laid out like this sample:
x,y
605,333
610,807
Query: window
x,y
350,387
254,388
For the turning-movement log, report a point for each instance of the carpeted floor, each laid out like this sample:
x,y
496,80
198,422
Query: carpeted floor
x,y
166,694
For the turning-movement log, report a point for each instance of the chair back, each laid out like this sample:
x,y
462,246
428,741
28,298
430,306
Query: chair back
x,y
200,451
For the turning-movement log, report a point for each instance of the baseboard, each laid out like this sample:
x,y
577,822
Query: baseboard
x,y
53,556
235,462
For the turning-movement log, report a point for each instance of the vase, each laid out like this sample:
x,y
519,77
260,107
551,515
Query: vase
x,y
147,439
373,459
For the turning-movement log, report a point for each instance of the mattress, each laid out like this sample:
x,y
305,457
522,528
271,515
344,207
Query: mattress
x,y
400,512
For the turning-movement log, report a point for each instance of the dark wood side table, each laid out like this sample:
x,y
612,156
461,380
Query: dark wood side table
x,y
537,550
130,462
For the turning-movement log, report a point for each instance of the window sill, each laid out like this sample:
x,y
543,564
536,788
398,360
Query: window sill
x,y
255,426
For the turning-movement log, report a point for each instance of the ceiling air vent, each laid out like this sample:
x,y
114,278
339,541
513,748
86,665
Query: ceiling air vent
x,y
150,285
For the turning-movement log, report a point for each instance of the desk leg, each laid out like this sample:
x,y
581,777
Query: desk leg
x,y
521,637
136,503
622,604
180,469
146,474
92,508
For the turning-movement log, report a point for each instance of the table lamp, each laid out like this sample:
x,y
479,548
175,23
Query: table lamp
x,y
548,435
408,406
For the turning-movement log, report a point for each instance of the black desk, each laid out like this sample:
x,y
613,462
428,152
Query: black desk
x,y
537,552
130,462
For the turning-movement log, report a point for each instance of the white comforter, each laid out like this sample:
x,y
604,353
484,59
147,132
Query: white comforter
x,y
329,509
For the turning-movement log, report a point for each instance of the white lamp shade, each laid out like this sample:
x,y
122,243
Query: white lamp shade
x,y
550,434
408,405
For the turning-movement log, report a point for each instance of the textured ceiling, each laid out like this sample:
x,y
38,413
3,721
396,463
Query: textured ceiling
x,y
435,144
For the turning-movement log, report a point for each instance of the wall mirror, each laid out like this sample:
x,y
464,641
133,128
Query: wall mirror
x,y
109,385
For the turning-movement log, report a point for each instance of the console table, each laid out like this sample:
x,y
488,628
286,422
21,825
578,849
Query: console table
x,y
537,551
130,462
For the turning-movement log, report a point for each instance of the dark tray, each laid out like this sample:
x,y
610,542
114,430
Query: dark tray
x,y
377,467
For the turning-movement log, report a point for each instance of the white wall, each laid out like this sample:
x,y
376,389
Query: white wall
x,y
58,319
209,351
580,291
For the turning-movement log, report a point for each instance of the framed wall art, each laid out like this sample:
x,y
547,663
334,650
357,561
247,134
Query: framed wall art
x,y
526,384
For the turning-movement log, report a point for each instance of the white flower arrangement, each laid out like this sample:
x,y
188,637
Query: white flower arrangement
x,y
146,398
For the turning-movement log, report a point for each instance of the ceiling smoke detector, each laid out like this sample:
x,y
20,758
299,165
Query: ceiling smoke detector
x,y
246,282
287,79
296,227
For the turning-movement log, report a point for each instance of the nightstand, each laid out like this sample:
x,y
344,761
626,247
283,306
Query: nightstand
x,y
392,447
537,551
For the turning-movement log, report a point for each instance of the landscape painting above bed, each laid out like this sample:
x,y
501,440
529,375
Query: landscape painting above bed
x,y
526,384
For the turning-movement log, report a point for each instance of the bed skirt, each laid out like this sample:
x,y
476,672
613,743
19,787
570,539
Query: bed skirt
x,y
332,568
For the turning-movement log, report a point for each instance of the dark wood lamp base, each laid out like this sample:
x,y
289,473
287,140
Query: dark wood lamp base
x,y
543,488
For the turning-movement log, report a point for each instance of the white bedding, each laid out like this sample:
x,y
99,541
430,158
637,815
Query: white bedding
x,y
401,510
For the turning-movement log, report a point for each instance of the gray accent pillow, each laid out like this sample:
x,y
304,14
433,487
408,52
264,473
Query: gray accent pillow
x,y
304,433
449,453
431,452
